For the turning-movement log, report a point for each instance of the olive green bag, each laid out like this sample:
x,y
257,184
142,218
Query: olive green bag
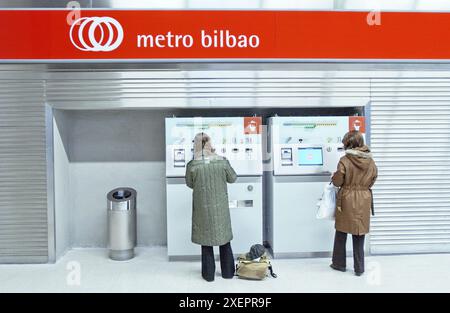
x,y
254,269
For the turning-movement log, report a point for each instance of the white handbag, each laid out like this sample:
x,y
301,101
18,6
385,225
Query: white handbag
x,y
327,204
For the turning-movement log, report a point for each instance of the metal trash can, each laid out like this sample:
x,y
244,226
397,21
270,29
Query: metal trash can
x,y
122,237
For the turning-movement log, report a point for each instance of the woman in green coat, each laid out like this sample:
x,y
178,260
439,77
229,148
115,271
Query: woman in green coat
x,y
208,174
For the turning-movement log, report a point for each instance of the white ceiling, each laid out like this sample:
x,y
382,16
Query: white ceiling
x,y
388,5
365,5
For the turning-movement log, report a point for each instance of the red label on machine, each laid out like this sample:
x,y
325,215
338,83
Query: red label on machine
x,y
252,125
357,123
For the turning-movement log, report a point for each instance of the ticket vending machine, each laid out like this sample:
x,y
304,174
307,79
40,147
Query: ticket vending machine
x,y
305,153
239,140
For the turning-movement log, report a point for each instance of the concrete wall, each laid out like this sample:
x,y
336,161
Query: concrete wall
x,y
63,203
106,150
91,182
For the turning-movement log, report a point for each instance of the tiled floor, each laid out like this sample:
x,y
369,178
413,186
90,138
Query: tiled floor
x,y
89,270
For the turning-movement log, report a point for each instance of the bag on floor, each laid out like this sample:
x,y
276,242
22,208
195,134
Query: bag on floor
x,y
254,269
327,204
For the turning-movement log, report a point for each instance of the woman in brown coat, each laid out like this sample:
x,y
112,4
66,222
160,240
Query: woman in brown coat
x,y
356,173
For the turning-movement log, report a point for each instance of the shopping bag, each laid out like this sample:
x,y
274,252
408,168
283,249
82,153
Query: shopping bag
x,y
327,204
254,269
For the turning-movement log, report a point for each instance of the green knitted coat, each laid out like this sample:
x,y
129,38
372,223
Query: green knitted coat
x,y
211,222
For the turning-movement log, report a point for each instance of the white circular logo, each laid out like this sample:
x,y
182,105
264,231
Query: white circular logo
x,y
96,34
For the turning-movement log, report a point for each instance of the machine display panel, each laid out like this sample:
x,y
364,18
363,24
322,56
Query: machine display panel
x,y
238,139
310,156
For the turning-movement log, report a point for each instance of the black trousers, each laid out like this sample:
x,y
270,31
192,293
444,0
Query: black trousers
x,y
209,263
339,251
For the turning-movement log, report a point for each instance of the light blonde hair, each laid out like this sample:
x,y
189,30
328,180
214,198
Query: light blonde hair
x,y
203,146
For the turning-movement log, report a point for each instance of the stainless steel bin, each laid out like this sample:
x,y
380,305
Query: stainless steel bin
x,y
122,233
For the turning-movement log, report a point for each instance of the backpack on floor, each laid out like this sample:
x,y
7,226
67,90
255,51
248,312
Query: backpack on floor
x,y
254,269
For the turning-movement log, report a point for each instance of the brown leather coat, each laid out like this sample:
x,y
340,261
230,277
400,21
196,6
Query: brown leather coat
x,y
356,173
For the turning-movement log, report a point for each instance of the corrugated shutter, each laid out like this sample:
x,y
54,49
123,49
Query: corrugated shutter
x,y
410,138
23,178
200,89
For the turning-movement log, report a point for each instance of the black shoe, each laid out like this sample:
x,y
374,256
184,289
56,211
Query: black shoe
x,y
359,273
229,272
340,269
208,279
227,277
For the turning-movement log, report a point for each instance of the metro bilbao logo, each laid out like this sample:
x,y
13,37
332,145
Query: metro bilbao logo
x,y
222,38
96,34
104,34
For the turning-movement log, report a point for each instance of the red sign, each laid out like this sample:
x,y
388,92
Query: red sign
x,y
145,34
357,123
252,125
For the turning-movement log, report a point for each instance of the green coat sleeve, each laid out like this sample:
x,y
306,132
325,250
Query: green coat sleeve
x,y
189,177
231,174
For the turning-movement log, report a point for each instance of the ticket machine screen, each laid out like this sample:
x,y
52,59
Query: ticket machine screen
x,y
179,157
310,156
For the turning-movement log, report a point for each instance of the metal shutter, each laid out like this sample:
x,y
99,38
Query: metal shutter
x,y
203,89
410,138
23,179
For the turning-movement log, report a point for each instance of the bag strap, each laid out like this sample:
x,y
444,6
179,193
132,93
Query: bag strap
x,y
271,272
372,207
266,259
